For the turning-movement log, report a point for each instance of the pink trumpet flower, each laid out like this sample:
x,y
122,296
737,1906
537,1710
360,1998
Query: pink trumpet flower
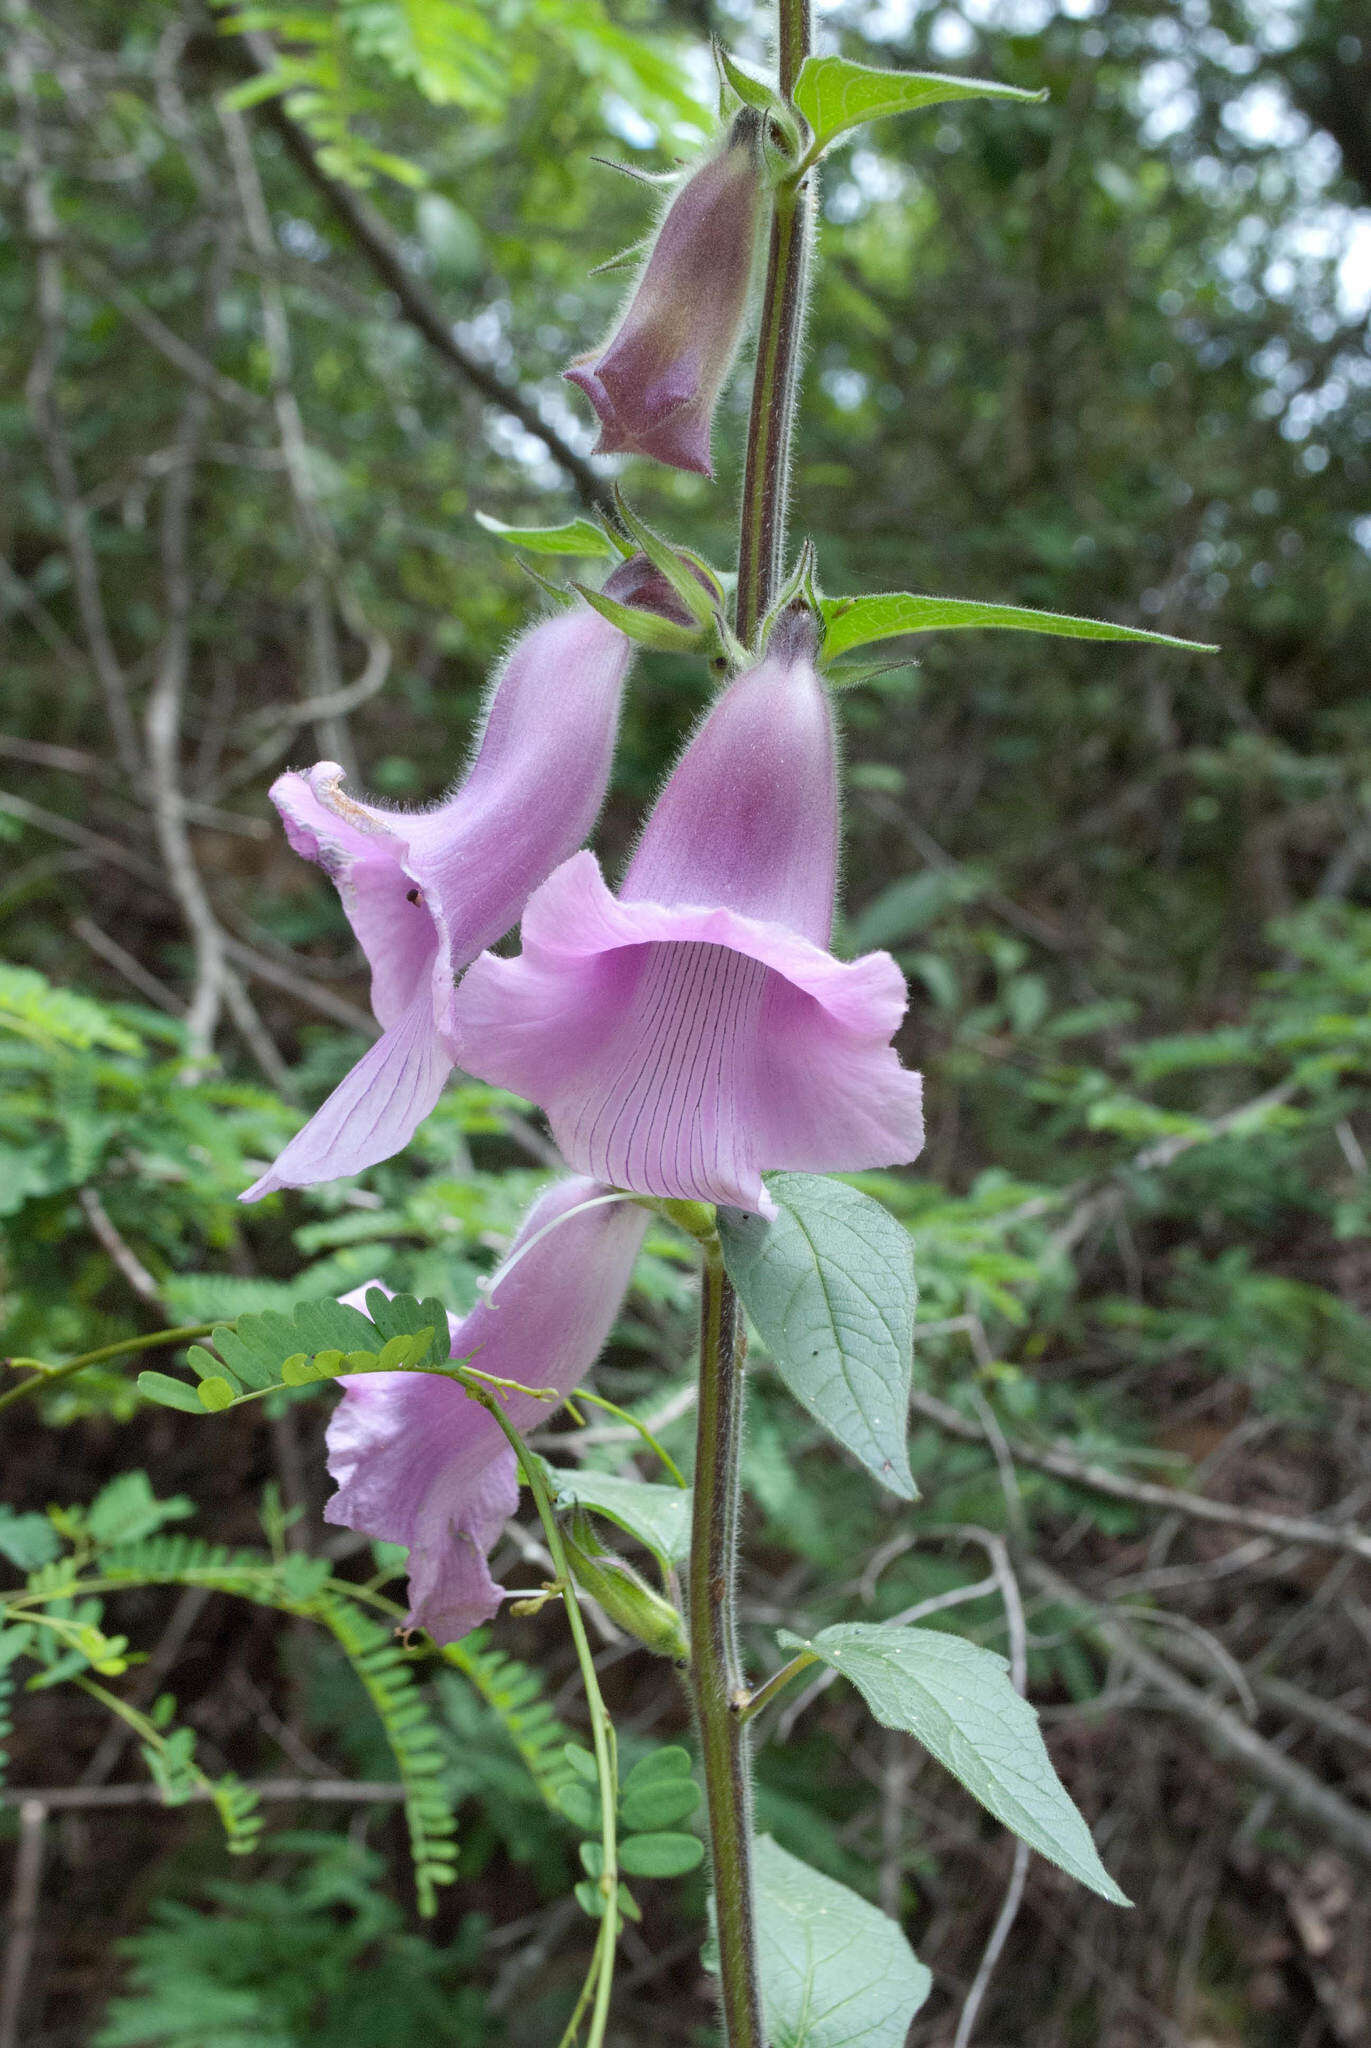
x,y
424,891
654,383
694,1031
418,1461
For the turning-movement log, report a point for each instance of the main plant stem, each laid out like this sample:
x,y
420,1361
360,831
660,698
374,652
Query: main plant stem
x,y
716,1677
761,535
715,1673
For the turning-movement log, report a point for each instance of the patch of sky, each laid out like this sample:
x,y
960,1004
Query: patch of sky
x,y
486,334
846,387
951,37
627,123
1011,17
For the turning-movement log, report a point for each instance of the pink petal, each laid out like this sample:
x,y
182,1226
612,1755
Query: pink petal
x,y
684,1051
654,383
419,1462
374,1110
363,849
762,770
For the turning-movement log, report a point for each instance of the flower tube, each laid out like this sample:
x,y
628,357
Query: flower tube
x,y
654,383
694,1031
424,891
418,1461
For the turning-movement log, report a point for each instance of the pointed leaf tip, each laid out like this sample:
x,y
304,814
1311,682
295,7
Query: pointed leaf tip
x,y
576,537
957,1700
835,94
885,615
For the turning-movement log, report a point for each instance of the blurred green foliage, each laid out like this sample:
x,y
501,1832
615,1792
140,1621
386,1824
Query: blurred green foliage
x,y
1099,355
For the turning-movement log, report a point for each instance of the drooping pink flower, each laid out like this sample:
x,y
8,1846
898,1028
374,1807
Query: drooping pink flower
x,y
654,383
424,891
694,1031
417,1461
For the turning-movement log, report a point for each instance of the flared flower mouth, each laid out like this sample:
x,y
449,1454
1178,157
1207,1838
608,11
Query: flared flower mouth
x,y
647,411
377,862
425,890
683,1050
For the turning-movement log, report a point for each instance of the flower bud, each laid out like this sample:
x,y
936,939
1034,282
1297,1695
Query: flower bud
x,y
624,1594
654,383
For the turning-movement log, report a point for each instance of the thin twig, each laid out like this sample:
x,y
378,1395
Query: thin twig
x,y
123,962
366,229
1305,1795
320,1791
41,390
1063,1464
23,1912
122,1253
997,1550
162,718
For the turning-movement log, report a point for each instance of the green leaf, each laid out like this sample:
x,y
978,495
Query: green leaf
x,y
672,1763
127,1509
660,1855
956,1699
836,1973
834,94
400,1315
258,1344
856,621
580,1805
649,629
757,93
576,537
659,1516
658,1805
215,1394
582,1762
830,1287
592,1901
169,1393
28,1541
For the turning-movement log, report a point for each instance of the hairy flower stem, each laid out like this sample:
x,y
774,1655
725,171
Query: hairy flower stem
x,y
716,1677
715,1673
761,536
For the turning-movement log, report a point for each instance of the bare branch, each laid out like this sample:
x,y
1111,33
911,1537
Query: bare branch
x,y
318,1791
162,719
367,230
1063,1464
23,1912
41,225
119,1249
1224,1730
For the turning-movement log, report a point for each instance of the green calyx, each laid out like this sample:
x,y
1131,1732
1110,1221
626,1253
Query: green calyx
x,y
623,1593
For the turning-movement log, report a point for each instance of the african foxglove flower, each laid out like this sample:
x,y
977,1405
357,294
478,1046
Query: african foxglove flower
x,y
694,1031
654,383
418,1461
424,891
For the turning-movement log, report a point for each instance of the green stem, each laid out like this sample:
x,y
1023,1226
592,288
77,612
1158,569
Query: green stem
x,y
602,1732
52,1375
793,37
777,1682
761,536
716,1678
612,1408
715,1674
